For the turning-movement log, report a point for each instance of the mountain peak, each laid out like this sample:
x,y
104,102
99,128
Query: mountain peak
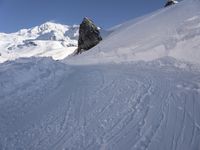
x,y
48,39
48,27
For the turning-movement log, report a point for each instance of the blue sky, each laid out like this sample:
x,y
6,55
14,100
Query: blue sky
x,y
18,14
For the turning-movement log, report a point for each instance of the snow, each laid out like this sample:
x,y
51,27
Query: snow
x,y
49,40
139,89
172,31
49,105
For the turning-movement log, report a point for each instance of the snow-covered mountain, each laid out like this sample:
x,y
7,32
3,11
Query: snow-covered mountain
x,y
174,32
139,89
49,39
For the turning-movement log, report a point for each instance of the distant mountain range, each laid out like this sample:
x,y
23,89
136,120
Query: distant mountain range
x,y
49,39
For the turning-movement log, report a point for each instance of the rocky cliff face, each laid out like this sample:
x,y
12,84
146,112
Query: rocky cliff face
x,y
89,35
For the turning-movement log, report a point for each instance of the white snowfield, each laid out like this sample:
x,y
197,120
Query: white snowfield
x,y
139,89
49,39
46,105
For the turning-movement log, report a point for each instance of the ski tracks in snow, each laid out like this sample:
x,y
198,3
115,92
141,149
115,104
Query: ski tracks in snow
x,y
134,108
113,107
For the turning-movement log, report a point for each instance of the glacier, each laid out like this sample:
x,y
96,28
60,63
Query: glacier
x,y
139,89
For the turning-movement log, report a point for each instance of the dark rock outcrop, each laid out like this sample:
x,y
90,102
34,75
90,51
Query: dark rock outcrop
x,y
170,2
89,35
25,44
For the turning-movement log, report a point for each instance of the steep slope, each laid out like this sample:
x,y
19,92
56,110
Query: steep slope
x,y
134,105
173,31
49,39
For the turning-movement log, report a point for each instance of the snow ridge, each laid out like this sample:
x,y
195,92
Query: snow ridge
x,y
172,31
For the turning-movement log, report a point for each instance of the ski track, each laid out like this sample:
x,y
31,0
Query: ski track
x,y
112,107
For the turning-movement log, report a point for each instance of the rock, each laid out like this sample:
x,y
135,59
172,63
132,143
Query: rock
x,y
170,2
25,44
89,35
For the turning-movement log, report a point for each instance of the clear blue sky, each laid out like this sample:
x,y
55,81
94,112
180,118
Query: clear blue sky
x,y
17,14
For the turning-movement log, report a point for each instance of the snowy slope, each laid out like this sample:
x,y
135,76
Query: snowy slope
x,y
174,31
116,101
45,105
49,39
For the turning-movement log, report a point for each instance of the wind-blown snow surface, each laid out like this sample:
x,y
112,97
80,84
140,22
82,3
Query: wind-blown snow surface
x,y
134,105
